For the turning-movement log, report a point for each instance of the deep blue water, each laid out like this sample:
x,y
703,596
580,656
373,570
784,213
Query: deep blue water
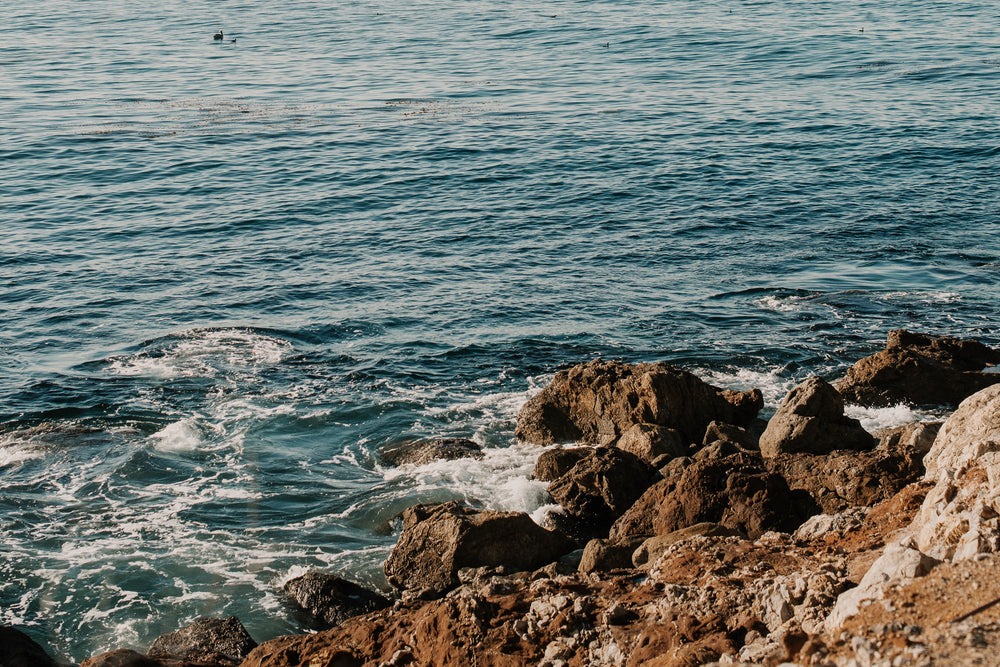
x,y
232,273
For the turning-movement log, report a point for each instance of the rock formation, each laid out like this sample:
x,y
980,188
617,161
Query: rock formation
x,y
19,650
920,369
331,599
426,451
599,401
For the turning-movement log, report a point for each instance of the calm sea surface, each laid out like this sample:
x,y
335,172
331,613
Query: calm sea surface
x,y
233,272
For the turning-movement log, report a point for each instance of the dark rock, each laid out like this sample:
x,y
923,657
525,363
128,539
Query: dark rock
x,y
128,658
19,650
920,369
842,479
601,486
426,451
556,462
209,640
736,492
655,445
598,401
604,555
717,450
744,438
811,419
439,540
332,600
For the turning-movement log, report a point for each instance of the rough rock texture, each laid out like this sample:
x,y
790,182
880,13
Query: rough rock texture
x,y
744,438
811,419
652,548
920,369
598,401
959,517
601,486
426,451
439,540
916,438
556,462
209,640
736,491
19,650
843,479
332,600
603,555
653,444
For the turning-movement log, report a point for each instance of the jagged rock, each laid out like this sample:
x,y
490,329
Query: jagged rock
x,y
717,449
598,401
897,564
843,479
601,555
331,599
735,491
811,419
128,658
426,451
920,369
655,445
959,516
556,462
917,437
744,438
822,525
439,540
209,640
19,650
601,486
653,547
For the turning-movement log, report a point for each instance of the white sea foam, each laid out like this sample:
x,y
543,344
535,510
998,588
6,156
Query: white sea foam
x,y
876,419
16,454
774,384
180,436
205,353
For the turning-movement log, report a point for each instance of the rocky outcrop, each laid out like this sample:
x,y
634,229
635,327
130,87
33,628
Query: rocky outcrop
x,y
331,600
598,402
439,540
602,555
427,451
811,419
920,369
652,548
655,445
206,640
556,462
601,486
19,650
736,492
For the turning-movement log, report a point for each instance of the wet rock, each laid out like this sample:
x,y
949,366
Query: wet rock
x,y
19,650
811,419
603,555
736,492
960,517
653,547
652,444
920,369
599,401
556,462
332,600
213,640
601,486
427,451
439,540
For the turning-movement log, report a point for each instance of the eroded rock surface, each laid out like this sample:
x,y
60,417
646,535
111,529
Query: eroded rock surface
x,y
331,599
209,640
599,401
811,419
427,451
920,369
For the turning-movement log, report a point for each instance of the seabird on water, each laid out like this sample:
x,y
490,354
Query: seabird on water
x,y
218,35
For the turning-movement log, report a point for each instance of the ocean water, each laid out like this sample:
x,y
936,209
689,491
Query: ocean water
x,y
233,272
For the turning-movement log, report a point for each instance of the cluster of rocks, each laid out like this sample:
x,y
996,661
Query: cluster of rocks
x,y
691,532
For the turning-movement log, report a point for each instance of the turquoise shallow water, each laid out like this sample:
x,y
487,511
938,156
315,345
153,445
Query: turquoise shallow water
x,y
234,272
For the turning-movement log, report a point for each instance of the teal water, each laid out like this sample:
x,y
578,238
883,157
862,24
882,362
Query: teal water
x,y
232,273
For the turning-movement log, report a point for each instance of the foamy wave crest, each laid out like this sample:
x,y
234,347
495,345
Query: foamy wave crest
x,y
204,353
774,384
876,419
180,436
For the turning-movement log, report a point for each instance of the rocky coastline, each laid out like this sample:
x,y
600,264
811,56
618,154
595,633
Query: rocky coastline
x,y
691,533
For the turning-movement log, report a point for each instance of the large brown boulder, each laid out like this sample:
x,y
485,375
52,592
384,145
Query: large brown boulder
x,y
811,419
439,540
556,462
331,600
920,369
598,401
737,492
600,487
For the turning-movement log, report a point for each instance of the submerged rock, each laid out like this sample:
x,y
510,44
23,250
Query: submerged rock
x,y
208,640
427,451
811,419
920,369
439,540
599,401
331,599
